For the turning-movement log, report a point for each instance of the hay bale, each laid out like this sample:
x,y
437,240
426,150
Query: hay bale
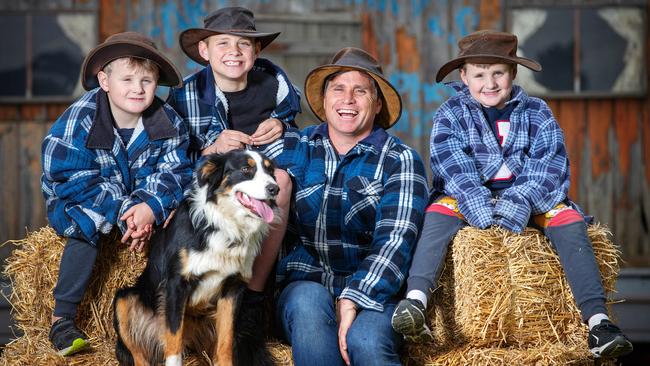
x,y
502,299
511,301
33,268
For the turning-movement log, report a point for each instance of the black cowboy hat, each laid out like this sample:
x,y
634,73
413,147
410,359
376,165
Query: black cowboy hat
x,y
127,44
235,20
354,59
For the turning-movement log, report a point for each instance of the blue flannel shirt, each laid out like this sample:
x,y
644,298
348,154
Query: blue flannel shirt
x,y
357,216
204,107
465,154
90,178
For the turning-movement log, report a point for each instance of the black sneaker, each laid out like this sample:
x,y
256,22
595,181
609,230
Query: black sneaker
x,y
606,340
409,319
67,338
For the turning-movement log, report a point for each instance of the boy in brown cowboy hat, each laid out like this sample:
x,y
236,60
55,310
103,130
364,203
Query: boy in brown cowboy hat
x,y
360,194
238,100
116,157
498,158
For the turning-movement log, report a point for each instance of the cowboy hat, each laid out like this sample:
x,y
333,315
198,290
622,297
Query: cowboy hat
x,y
127,44
354,59
235,20
487,46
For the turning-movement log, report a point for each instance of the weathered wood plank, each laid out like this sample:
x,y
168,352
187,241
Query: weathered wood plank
x,y
573,123
10,192
597,182
32,206
112,17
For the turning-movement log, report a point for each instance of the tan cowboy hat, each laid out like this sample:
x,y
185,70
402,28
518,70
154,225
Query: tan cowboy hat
x,y
487,46
235,20
127,44
354,59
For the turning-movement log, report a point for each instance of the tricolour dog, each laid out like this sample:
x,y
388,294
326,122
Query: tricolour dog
x,y
189,293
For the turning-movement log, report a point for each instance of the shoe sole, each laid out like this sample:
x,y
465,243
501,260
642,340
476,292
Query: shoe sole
x,y
78,345
404,322
619,346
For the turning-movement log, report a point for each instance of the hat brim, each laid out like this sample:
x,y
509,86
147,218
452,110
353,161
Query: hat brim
x,y
459,61
391,108
106,52
190,38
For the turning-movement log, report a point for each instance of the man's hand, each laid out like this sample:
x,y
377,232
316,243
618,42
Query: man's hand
x,y
267,132
346,312
228,140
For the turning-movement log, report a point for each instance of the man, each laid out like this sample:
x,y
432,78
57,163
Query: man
x,y
360,194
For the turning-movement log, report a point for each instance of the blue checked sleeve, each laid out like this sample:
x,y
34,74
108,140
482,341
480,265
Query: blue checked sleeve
x,y
451,165
399,214
544,180
81,202
163,190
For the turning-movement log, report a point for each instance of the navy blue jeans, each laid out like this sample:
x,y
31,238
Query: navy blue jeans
x,y
306,311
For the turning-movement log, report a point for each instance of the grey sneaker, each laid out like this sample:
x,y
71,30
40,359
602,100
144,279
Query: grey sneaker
x,y
409,319
607,341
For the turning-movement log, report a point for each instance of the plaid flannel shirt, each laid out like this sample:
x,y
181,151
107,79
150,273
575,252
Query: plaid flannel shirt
x,y
90,178
357,216
465,154
204,107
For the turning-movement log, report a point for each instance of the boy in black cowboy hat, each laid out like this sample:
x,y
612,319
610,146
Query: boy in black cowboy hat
x,y
238,100
498,158
360,197
116,157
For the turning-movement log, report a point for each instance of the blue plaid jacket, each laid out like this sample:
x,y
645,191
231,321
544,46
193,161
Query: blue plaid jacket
x,y
204,108
357,216
90,178
465,154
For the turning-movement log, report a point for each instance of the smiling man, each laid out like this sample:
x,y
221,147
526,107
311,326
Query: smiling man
x,y
359,197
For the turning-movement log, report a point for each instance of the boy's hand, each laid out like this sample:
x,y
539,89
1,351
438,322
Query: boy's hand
x,y
228,140
139,220
267,132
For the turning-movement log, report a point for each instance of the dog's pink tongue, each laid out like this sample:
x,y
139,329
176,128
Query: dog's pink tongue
x,y
262,209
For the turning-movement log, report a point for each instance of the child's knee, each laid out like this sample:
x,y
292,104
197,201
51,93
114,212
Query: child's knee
x,y
565,217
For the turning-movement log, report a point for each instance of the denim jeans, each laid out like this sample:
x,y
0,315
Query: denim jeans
x,y
307,314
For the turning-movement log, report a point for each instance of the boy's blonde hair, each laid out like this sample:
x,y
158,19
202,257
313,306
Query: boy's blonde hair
x,y
136,63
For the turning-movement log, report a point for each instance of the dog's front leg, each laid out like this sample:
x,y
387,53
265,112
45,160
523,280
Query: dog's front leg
x,y
175,302
225,323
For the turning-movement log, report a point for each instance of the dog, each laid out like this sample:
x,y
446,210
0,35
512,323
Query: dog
x,y
190,290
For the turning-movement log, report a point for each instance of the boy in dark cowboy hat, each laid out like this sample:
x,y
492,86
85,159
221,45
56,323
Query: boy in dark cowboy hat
x,y
498,158
115,157
360,198
238,100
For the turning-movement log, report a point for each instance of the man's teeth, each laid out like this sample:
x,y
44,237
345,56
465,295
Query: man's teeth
x,y
347,111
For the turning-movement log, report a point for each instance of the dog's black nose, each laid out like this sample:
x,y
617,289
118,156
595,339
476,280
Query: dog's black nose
x,y
272,189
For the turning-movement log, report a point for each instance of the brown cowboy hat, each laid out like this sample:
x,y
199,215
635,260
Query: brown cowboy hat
x,y
354,59
487,46
234,20
127,44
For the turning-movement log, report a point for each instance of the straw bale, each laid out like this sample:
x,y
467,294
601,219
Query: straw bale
x,y
33,269
502,299
555,354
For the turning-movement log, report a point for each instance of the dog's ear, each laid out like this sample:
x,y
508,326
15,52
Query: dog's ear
x,y
211,171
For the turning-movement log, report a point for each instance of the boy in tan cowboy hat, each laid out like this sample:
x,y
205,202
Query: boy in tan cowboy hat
x,y
360,197
116,157
238,100
498,159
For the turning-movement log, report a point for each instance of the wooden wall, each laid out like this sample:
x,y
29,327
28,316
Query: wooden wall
x,y
608,139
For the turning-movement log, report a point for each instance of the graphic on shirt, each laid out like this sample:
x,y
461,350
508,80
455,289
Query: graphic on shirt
x,y
502,130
